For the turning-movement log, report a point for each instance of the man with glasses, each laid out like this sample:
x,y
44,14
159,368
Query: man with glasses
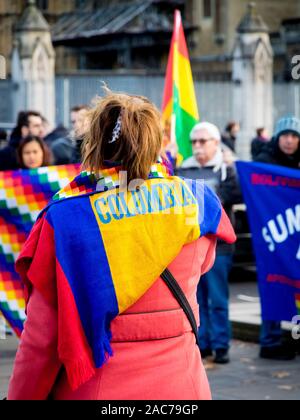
x,y
208,163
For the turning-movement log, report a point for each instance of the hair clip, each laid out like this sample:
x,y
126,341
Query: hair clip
x,y
117,130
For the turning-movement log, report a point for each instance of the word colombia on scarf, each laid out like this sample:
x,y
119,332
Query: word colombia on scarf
x,y
273,205
120,199
148,199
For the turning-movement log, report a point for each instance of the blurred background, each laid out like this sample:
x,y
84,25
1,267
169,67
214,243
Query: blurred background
x,y
57,53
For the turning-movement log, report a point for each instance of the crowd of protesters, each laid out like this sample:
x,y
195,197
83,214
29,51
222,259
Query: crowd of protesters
x,y
31,145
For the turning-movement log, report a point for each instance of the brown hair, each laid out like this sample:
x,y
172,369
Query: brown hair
x,y
139,142
259,131
24,121
47,160
230,126
78,108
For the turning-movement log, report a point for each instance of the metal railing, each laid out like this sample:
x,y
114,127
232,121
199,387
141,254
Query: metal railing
x,y
215,98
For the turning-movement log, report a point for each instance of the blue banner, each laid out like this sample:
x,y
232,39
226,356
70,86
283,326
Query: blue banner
x,y
272,196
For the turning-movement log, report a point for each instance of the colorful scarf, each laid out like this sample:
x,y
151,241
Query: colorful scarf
x,y
97,249
23,195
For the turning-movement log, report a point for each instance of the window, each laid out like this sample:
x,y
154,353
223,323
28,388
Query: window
x,y
42,4
219,22
218,16
207,8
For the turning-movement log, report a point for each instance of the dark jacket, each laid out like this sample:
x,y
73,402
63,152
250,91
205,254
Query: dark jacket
x,y
77,156
229,141
257,146
8,155
63,151
58,133
223,181
272,154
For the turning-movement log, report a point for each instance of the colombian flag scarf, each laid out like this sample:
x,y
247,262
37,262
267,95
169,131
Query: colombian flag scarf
x,y
97,248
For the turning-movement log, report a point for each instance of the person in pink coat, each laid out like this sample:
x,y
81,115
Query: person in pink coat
x,y
101,322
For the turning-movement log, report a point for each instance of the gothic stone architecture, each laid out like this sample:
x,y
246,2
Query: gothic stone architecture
x,y
118,34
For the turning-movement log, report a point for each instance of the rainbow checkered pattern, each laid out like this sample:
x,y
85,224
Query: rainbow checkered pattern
x,y
298,303
23,194
106,179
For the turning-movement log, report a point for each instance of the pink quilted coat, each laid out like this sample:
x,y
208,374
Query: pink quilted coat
x,y
155,352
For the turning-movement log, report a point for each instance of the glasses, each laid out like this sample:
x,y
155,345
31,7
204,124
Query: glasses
x,y
201,141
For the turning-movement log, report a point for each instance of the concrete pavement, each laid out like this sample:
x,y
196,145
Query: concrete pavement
x,y
246,378
7,354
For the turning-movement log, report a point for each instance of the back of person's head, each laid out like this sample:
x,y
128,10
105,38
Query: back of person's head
x,y
260,131
231,125
124,129
47,157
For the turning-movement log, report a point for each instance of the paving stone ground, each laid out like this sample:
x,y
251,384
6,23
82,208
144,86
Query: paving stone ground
x,y
246,378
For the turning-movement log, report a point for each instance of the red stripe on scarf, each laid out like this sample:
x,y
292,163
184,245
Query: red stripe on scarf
x,y
225,230
39,268
73,348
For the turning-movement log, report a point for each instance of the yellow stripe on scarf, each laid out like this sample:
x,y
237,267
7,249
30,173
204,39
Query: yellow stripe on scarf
x,y
141,237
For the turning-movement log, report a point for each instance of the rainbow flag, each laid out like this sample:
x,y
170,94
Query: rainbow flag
x,y
298,303
23,194
180,110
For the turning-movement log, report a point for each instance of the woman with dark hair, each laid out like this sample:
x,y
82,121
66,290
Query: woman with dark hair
x,y
29,124
33,153
103,321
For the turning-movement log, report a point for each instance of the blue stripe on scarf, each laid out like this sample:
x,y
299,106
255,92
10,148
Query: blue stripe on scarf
x,y
81,253
207,200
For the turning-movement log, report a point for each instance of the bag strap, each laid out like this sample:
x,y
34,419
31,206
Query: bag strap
x,y
177,292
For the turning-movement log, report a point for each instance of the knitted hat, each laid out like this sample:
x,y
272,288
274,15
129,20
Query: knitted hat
x,y
287,124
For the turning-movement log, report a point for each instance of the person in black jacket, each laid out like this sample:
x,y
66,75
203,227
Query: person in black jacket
x,y
283,150
29,123
208,164
259,142
230,135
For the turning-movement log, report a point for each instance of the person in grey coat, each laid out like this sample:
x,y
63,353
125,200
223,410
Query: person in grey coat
x,y
208,163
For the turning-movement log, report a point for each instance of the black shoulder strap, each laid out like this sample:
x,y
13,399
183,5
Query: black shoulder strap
x,y
177,292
